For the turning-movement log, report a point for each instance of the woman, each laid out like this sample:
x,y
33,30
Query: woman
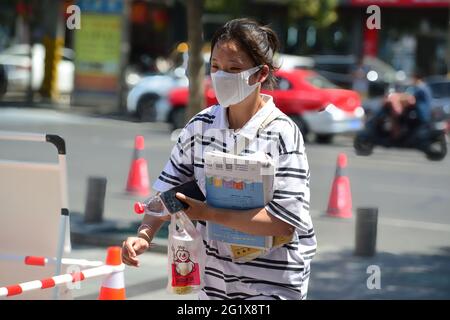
x,y
241,63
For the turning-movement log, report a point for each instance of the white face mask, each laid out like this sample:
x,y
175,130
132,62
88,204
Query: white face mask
x,y
232,88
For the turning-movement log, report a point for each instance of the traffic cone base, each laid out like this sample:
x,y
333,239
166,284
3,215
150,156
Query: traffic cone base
x,y
112,294
138,182
113,286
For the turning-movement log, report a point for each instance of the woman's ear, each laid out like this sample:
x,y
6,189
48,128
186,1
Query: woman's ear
x,y
263,73
259,76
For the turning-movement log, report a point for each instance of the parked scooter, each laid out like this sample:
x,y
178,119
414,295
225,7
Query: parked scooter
x,y
409,132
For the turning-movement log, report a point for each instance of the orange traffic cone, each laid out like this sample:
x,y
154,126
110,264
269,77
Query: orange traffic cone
x,y
340,202
113,287
138,181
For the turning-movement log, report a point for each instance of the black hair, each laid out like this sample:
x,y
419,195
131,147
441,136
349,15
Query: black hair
x,y
258,41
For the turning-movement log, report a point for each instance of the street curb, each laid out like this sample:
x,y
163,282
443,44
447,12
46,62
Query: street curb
x,y
113,239
109,233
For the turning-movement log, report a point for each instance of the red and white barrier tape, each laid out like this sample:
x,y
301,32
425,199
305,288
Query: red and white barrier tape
x,y
20,288
43,261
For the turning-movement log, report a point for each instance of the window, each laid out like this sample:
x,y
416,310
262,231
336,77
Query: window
x,y
283,84
320,82
440,89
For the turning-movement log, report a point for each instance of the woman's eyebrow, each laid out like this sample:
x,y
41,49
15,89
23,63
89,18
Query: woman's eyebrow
x,y
230,60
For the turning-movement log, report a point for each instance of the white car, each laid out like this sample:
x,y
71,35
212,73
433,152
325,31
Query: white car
x,y
289,62
16,60
148,99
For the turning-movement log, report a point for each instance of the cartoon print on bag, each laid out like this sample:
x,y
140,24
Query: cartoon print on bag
x,y
183,263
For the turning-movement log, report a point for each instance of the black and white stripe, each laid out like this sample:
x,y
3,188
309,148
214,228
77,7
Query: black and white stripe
x,y
206,118
281,273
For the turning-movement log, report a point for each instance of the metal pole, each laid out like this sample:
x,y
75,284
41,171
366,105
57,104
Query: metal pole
x,y
124,56
366,231
53,41
448,45
95,200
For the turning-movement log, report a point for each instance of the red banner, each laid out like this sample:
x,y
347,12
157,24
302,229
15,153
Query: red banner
x,y
370,42
402,3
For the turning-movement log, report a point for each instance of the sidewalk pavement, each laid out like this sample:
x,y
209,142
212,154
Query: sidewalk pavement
x,y
409,268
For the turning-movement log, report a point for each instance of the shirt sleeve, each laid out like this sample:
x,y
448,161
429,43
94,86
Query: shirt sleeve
x,y
290,201
179,169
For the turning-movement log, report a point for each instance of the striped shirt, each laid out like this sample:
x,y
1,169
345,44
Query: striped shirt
x,y
281,273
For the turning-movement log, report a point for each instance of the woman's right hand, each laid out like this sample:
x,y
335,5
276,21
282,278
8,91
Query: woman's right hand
x,y
131,248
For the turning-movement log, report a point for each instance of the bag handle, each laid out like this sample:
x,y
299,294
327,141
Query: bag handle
x,y
185,225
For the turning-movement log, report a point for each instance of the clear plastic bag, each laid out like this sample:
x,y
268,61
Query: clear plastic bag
x,y
186,256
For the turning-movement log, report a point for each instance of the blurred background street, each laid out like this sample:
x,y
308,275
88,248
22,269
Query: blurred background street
x,y
413,248
100,73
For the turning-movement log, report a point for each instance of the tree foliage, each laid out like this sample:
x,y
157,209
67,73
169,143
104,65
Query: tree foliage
x,y
232,7
323,12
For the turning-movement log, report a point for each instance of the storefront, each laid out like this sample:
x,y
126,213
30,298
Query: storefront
x,y
413,34
153,32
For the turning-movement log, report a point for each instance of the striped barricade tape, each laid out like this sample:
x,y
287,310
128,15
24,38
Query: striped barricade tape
x,y
43,261
20,288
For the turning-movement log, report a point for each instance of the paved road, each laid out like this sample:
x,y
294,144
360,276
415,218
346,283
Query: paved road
x,y
412,194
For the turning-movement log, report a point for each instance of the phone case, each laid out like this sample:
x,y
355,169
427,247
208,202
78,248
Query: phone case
x,y
190,189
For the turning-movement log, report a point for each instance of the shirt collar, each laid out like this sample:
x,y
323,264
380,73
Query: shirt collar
x,y
250,129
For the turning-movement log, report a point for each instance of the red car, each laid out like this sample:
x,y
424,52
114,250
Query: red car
x,y
315,104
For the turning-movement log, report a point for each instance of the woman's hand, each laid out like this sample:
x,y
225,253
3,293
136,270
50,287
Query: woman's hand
x,y
131,248
197,210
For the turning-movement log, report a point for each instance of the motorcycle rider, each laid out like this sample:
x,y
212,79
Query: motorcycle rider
x,y
396,107
389,119
422,94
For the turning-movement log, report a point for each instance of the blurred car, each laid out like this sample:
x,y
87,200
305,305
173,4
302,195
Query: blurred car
x,y
314,103
148,98
440,90
16,60
338,69
289,62
3,80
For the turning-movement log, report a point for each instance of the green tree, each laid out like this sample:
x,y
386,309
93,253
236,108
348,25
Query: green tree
x,y
231,7
323,12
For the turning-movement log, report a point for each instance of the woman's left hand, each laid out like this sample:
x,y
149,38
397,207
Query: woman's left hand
x,y
197,210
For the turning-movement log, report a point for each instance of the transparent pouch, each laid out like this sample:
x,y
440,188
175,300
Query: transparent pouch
x,y
186,256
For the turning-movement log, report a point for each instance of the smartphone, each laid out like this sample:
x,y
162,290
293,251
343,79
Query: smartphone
x,y
190,189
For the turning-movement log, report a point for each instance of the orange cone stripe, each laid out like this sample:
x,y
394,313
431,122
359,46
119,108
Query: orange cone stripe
x,y
113,286
112,294
340,200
